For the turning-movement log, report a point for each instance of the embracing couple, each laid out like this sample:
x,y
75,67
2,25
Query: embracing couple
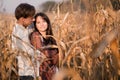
x,y
36,39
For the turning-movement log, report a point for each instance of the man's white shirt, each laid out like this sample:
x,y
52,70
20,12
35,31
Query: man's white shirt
x,y
25,64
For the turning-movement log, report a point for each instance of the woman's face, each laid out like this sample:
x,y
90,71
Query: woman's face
x,y
41,24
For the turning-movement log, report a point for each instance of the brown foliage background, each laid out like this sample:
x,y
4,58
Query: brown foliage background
x,y
88,41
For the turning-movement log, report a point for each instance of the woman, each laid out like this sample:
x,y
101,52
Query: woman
x,y
40,41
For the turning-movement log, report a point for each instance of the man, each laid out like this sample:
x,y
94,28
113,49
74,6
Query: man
x,y
20,40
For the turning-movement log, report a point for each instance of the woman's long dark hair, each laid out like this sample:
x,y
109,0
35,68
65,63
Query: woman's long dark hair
x,y
48,40
45,17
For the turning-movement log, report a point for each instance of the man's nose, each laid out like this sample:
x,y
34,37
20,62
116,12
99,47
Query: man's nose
x,y
33,19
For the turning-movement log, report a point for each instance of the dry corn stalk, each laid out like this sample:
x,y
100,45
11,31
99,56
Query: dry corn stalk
x,y
69,74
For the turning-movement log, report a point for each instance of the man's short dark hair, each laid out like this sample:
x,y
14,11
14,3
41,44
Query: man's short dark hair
x,y
24,10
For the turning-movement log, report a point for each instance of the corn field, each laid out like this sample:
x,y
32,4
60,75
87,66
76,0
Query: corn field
x,y
88,42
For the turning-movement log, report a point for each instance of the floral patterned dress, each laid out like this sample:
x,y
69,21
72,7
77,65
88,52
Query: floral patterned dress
x,y
47,68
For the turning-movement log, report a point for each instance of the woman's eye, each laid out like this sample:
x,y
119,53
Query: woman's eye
x,y
38,22
44,21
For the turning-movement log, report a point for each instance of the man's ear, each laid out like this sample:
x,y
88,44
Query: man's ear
x,y
22,19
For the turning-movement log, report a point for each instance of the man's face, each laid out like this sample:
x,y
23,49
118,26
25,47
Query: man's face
x,y
27,21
